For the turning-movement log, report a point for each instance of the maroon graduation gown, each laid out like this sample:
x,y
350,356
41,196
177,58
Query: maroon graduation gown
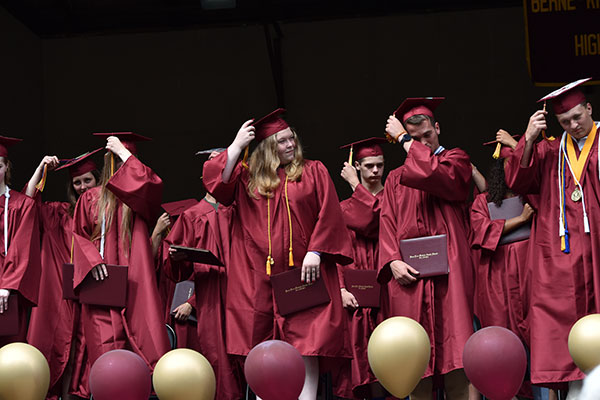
x,y
54,325
201,226
20,267
139,326
564,287
426,196
502,273
317,225
361,214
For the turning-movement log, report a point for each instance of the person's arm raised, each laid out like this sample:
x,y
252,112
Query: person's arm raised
x,y
242,140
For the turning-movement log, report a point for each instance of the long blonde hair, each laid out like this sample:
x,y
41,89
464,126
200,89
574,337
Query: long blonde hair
x,y
107,203
263,165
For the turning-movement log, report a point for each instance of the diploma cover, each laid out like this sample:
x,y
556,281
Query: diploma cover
x,y
291,294
67,282
112,291
428,255
201,256
9,319
362,283
183,291
510,208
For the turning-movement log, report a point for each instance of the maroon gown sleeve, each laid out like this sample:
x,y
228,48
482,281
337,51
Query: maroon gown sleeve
x,y
22,266
523,180
485,232
329,234
139,187
180,232
212,176
447,175
85,254
361,212
388,242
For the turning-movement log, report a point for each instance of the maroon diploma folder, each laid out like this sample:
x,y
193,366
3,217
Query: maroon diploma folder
x,y
9,319
183,291
362,283
428,255
67,282
201,256
291,294
510,208
112,291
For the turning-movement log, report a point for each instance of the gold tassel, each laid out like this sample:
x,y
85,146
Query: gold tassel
x,y
269,262
496,154
245,159
548,138
42,183
112,164
563,244
291,258
351,154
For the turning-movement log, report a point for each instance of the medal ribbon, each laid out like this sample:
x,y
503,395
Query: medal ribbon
x,y
577,163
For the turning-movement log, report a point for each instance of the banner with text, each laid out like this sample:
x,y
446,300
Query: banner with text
x,y
563,40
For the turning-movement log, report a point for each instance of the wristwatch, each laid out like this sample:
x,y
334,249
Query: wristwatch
x,y
405,138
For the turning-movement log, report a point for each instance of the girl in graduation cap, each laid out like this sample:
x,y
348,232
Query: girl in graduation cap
x,y
110,226
54,327
19,251
287,215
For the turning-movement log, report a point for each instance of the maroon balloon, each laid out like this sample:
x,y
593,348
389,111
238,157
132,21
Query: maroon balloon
x,y
275,371
120,374
495,362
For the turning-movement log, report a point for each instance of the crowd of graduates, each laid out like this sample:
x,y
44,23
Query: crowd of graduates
x,y
268,210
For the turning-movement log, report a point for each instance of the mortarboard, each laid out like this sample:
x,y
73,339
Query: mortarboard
x,y
417,106
127,138
5,143
365,148
566,97
269,125
81,164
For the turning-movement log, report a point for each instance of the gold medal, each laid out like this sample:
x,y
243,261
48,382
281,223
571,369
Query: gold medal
x,y
576,195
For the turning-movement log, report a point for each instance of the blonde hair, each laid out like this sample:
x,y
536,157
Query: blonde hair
x,y
263,165
107,202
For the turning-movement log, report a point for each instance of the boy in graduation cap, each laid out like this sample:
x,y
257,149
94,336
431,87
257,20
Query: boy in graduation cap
x,y
425,197
110,226
287,215
363,172
19,248
52,328
564,172
205,225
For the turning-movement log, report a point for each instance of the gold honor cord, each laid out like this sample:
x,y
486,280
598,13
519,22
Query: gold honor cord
x,y
270,260
42,183
72,245
578,163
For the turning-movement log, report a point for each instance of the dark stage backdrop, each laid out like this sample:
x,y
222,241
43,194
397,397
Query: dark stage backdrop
x,y
192,89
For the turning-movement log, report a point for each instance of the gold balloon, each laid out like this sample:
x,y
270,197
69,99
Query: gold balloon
x,y
584,342
24,373
399,351
184,374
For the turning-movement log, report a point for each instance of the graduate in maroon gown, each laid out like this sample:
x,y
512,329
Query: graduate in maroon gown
x,y
565,273
286,215
55,327
502,272
19,248
361,214
426,196
111,227
206,226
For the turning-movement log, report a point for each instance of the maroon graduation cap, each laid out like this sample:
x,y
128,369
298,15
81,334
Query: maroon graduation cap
x,y
270,124
5,143
128,139
365,148
566,97
176,208
81,164
417,106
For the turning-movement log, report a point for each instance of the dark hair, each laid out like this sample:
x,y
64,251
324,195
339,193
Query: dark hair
x,y
417,119
72,195
497,187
